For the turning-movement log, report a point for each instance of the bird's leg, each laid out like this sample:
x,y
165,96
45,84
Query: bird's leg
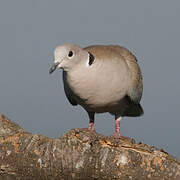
x,y
91,122
117,126
117,130
90,128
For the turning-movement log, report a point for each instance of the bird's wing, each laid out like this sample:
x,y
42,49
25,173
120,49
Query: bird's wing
x,y
136,85
68,91
108,53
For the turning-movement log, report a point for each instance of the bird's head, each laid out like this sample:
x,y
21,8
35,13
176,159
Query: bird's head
x,y
68,56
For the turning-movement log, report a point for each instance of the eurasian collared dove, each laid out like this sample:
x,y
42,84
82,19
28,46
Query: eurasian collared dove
x,y
101,78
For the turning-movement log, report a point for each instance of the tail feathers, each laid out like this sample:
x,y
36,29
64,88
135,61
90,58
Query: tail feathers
x,y
134,110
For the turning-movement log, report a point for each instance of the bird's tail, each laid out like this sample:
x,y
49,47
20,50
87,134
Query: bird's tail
x,y
134,110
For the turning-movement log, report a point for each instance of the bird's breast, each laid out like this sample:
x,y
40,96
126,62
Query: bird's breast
x,y
99,86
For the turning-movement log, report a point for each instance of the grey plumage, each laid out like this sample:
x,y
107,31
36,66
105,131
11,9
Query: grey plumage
x,y
101,78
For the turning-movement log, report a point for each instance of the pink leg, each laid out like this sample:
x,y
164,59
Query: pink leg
x,y
117,126
91,123
117,129
90,128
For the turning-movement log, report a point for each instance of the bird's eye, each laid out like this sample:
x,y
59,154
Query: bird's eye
x,y
70,54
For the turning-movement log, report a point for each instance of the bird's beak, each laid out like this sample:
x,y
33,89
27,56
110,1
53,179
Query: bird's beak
x,y
53,68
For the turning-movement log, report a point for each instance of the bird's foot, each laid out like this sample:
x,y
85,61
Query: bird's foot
x,y
91,131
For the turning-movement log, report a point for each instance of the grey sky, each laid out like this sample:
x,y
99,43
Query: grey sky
x,y
29,32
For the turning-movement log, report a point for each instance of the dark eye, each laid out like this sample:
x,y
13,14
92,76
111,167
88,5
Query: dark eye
x,y
70,54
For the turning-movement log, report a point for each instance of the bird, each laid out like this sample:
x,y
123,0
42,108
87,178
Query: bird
x,y
101,78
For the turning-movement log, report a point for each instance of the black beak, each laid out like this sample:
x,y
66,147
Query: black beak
x,y
53,68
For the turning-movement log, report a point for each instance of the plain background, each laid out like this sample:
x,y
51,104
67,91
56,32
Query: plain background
x,y
29,32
